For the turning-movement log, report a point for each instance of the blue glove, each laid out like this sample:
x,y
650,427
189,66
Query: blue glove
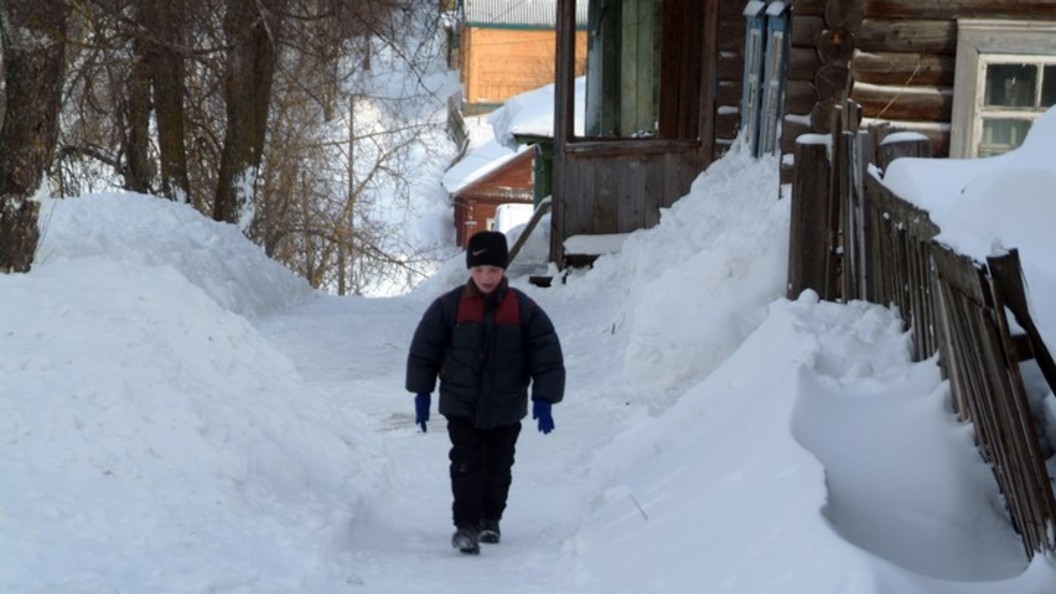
x,y
541,411
421,409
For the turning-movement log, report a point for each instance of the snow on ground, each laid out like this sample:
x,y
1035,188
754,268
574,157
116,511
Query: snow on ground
x,y
178,414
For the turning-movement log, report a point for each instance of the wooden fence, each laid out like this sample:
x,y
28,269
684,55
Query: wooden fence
x,y
852,238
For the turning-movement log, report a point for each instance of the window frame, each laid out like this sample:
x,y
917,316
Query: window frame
x,y
981,42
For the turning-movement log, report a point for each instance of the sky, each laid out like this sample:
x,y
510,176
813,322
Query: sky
x,y
180,414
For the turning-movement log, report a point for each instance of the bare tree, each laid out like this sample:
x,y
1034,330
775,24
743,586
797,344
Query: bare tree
x,y
33,41
243,108
163,49
254,29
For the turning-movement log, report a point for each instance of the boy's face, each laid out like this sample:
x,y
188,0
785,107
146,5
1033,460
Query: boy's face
x,y
487,278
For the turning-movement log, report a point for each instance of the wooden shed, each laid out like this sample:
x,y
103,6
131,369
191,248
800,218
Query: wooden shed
x,y
969,74
477,202
506,47
657,75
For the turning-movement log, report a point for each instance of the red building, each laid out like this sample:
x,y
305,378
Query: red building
x,y
476,202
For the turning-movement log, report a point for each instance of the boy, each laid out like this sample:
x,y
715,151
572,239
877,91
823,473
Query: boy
x,y
487,342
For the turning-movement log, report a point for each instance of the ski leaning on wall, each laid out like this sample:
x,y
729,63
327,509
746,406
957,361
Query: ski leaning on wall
x,y
765,56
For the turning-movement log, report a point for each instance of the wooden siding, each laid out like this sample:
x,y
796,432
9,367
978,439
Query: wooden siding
x,y
608,188
899,57
477,202
730,70
500,63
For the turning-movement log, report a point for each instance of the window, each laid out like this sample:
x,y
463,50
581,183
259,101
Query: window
x,y
1006,77
1014,91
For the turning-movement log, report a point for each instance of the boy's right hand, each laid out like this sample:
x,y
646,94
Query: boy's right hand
x,y
421,409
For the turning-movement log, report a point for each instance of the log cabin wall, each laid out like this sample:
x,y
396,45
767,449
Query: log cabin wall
x,y
896,58
730,71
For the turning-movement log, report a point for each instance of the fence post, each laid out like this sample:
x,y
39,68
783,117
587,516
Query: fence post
x,y
809,233
902,144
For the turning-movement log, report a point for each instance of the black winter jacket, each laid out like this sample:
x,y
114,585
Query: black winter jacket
x,y
486,349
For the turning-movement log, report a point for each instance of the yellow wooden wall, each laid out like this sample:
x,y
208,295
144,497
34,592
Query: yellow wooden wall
x,y
500,63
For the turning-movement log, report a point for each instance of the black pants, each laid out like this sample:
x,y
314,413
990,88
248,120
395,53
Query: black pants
x,y
481,463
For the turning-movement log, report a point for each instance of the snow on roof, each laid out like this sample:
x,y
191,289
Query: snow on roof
x,y
526,13
532,114
527,114
478,163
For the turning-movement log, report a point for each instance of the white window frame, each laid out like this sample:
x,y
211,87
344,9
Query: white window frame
x,y
984,41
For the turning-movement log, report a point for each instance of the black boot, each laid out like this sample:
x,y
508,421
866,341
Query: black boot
x,y
489,531
466,540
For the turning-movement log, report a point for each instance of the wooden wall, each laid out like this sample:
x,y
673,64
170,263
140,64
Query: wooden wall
x,y
730,72
617,189
478,201
500,63
894,57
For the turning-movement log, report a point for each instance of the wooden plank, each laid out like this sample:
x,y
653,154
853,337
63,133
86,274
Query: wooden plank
x,y
606,194
632,196
709,70
883,68
792,126
915,220
938,132
884,35
731,38
844,14
800,96
930,104
888,151
727,124
902,69
803,62
808,248
1025,465
1008,274
653,182
533,222
823,116
809,7
728,93
961,9
806,29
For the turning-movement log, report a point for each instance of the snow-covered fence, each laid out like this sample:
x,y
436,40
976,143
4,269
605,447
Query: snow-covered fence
x,y
853,238
982,359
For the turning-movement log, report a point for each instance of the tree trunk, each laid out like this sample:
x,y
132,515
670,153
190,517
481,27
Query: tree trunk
x,y
136,131
33,43
252,30
165,63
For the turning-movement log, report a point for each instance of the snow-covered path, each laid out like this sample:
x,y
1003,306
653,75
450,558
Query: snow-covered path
x,y
352,351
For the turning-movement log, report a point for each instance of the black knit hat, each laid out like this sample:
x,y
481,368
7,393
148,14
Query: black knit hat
x,y
487,248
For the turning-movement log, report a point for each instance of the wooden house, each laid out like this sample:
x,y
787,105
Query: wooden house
x,y
665,84
476,203
506,47
663,90
969,74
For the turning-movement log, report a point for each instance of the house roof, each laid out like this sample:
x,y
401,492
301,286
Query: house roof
x,y
517,13
477,164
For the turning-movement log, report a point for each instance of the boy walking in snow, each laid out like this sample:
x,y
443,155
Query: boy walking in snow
x,y
487,342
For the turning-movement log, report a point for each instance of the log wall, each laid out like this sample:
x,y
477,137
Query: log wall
x,y
899,57
730,70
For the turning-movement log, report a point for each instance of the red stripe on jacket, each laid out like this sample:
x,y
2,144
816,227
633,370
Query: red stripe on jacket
x,y
471,309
